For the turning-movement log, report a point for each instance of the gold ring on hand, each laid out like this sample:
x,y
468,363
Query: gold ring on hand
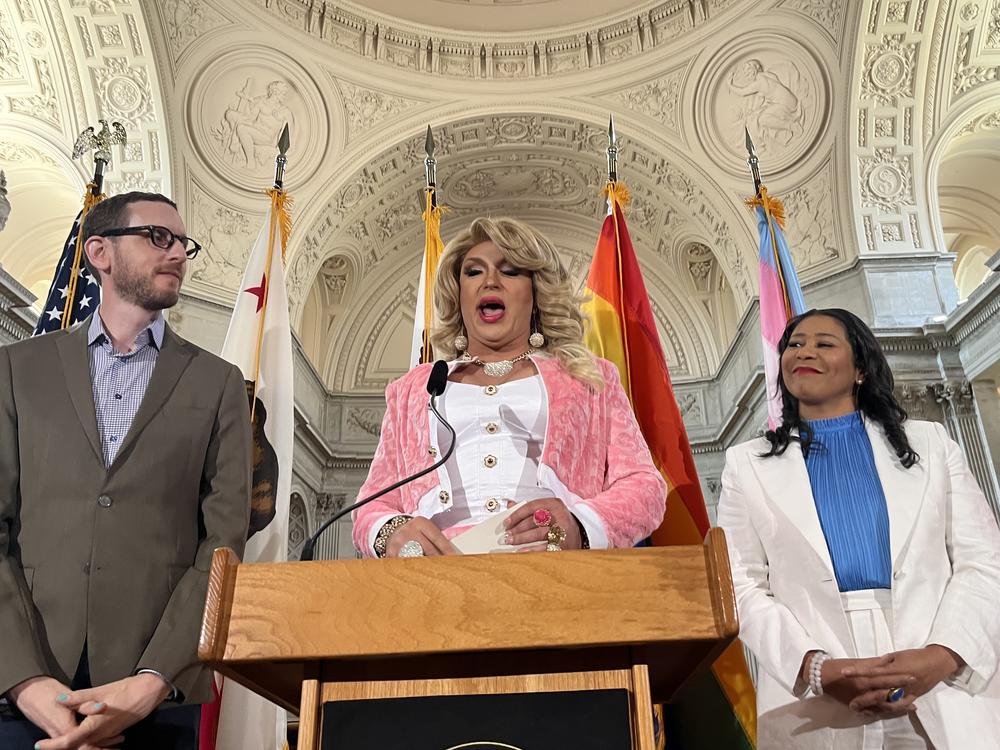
x,y
556,535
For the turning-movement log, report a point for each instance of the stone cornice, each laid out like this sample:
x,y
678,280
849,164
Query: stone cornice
x,y
979,310
17,319
496,55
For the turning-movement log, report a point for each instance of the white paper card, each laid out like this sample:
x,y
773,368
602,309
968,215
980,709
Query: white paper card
x,y
487,536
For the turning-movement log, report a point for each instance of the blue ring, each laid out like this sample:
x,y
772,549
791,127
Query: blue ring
x,y
895,694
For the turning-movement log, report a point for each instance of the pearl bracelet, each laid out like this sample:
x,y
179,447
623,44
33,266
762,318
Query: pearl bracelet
x,y
816,671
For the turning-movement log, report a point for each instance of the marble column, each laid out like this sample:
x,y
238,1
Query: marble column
x,y
965,426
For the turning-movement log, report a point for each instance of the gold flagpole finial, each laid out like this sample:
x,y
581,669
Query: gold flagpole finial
x,y
753,161
612,151
430,165
282,158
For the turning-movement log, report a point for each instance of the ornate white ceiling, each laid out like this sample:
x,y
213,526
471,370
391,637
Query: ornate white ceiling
x,y
63,64
853,106
497,16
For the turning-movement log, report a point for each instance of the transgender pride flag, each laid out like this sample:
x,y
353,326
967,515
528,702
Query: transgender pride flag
x,y
780,293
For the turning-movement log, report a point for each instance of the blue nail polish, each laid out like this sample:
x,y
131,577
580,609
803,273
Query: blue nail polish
x,y
99,705
37,745
62,697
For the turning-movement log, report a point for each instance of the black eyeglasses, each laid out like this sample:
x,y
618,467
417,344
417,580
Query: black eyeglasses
x,y
162,237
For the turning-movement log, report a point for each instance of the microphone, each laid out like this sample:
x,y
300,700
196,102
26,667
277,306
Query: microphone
x,y
436,384
438,380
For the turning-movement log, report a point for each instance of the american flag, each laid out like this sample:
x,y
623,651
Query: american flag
x,y
85,298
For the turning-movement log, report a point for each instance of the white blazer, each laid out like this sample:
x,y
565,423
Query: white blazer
x,y
945,587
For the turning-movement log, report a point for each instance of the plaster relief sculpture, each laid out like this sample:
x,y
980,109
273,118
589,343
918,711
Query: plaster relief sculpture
x,y
969,74
782,98
886,180
41,105
366,107
659,99
130,181
124,92
10,61
237,106
251,124
186,21
810,215
768,104
227,236
17,152
889,70
700,262
335,273
827,13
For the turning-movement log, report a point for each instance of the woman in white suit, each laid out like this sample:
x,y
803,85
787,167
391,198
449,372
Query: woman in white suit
x,y
865,559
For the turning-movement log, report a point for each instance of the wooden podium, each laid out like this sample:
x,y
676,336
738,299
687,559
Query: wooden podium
x,y
307,634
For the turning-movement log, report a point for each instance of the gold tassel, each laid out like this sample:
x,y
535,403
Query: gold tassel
x,y
282,203
617,192
773,206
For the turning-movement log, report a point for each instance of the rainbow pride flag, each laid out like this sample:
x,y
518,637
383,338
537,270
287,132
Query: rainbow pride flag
x,y
719,709
780,292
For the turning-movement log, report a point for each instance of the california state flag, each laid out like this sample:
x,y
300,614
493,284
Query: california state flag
x,y
259,342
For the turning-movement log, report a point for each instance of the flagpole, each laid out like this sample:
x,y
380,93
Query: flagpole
x,y
430,167
613,194
612,150
101,144
753,161
277,192
430,206
762,199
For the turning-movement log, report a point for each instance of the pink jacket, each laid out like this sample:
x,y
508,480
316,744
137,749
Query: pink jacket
x,y
594,457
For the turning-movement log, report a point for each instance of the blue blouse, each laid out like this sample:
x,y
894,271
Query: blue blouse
x,y
850,502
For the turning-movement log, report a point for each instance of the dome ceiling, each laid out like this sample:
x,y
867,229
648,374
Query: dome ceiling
x,y
493,16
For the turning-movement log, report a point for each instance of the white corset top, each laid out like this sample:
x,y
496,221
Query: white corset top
x,y
500,431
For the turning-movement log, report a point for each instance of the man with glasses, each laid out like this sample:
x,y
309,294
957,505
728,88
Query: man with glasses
x,y
124,462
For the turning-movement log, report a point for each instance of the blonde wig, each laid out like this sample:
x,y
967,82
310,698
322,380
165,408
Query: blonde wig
x,y
557,305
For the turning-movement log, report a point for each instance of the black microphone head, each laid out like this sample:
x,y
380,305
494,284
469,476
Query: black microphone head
x,y
438,378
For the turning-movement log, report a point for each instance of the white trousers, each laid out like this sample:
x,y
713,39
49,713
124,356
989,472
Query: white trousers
x,y
869,613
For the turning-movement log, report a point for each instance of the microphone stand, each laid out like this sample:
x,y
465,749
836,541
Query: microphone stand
x,y
310,544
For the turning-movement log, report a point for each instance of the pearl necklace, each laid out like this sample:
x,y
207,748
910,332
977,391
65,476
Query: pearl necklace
x,y
500,369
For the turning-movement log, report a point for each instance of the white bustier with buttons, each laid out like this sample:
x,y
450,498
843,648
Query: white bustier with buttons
x,y
500,432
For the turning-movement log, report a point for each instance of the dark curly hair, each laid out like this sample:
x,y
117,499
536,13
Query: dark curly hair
x,y
874,396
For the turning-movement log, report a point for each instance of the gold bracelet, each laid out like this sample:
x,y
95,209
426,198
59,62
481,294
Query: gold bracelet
x,y
387,530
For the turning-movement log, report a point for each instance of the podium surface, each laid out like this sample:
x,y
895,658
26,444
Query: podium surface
x,y
308,634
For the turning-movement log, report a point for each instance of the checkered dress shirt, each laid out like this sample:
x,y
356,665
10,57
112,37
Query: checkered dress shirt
x,y
120,380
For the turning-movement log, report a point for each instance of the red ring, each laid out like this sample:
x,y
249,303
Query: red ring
x,y
542,517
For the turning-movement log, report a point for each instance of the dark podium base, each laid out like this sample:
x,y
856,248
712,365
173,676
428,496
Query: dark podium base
x,y
582,719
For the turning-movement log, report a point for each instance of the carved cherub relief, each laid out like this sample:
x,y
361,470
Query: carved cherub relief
x,y
770,103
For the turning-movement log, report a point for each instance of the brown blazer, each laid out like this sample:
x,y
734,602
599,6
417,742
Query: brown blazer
x,y
117,557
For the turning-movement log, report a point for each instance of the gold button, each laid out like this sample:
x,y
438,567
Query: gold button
x,y
445,497
432,451
492,504
490,390
490,461
492,427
